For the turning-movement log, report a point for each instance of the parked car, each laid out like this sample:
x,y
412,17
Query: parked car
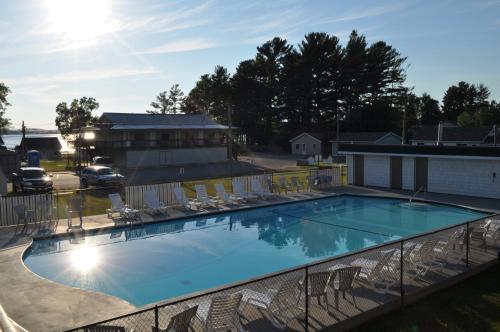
x,y
31,179
100,176
102,161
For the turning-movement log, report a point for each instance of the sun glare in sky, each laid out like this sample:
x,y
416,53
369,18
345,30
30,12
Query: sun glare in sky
x,y
79,20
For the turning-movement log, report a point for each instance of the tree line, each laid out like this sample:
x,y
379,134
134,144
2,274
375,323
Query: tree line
x,y
318,85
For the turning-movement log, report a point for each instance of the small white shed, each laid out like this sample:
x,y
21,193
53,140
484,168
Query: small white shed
x,y
306,144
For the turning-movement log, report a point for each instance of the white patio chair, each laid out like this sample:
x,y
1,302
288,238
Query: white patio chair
x,y
318,284
182,200
281,305
259,190
223,314
296,183
75,206
202,196
223,196
24,216
117,206
328,161
342,280
239,191
180,322
153,203
283,184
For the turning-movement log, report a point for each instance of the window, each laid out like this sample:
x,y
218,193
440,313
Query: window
x,y
139,137
420,143
314,146
297,146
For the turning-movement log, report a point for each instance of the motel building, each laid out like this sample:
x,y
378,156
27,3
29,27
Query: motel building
x,y
459,170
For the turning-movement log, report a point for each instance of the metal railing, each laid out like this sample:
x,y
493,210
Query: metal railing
x,y
333,292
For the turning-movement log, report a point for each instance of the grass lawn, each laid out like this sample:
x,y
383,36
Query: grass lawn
x,y
53,165
96,200
472,305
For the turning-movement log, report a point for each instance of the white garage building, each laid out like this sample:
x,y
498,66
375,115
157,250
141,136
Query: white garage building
x,y
470,171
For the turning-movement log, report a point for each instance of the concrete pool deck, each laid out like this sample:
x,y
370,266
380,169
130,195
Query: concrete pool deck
x,y
42,305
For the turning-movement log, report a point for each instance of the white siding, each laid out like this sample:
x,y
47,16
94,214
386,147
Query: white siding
x,y
464,177
312,146
350,168
408,173
376,169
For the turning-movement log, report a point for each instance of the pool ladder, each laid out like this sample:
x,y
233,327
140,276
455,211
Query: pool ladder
x,y
415,194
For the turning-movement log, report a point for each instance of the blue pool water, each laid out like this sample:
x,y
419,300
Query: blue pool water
x,y
147,264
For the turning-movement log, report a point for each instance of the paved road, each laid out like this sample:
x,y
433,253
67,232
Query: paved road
x,y
253,163
65,180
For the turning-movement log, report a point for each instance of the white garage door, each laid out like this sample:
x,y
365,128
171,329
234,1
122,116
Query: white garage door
x,y
464,177
377,170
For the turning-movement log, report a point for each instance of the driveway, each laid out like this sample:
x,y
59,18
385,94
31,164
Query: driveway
x,y
277,162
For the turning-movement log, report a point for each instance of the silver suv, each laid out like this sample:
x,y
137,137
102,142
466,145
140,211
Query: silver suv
x,y
100,176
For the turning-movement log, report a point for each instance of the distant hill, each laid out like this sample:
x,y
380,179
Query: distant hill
x,y
31,131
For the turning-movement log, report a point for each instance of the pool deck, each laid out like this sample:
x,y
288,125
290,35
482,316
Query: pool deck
x,y
38,304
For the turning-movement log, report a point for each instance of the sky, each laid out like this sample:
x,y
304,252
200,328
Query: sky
x,y
124,52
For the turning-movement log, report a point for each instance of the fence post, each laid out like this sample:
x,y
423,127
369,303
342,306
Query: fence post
x,y
401,275
467,247
306,292
157,327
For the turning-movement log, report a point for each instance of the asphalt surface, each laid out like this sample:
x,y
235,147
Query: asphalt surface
x,y
250,164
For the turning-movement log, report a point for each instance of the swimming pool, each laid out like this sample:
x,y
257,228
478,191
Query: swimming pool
x,y
147,264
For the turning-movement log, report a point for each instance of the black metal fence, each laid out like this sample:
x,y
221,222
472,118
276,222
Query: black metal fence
x,y
334,292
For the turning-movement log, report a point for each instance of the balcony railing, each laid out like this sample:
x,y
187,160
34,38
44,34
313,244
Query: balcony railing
x,y
185,143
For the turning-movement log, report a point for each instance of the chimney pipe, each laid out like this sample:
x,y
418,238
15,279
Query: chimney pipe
x,y
440,133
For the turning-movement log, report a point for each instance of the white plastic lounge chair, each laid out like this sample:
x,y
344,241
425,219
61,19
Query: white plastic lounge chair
x,y
281,305
283,184
421,260
223,314
239,191
182,200
258,190
181,322
75,205
296,183
378,274
224,197
117,206
202,196
153,203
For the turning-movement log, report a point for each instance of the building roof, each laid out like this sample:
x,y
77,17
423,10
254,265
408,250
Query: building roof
x,y
159,121
41,143
363,136
317,135
453,134
421,150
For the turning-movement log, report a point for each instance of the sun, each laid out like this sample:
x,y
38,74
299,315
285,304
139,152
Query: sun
x,y
79,20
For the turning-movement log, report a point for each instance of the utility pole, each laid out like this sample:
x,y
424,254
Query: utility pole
x,y
230,140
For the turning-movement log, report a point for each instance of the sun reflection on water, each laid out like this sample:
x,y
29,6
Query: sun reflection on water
x,y
85,258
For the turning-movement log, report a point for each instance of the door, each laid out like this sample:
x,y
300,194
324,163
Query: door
x,y
421,173
359,169
396,172
304,151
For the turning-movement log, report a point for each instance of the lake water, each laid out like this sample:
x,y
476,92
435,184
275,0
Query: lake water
x,y
11,141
